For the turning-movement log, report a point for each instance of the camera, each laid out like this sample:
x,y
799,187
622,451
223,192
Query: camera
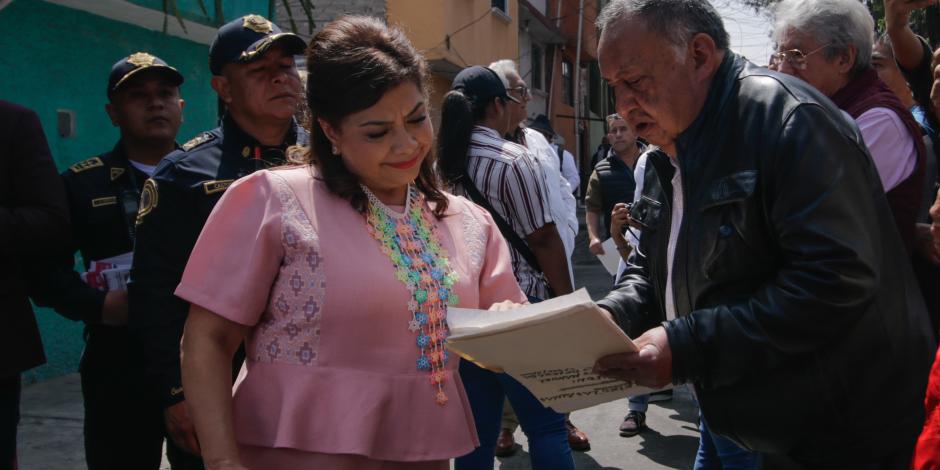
x,y
645,212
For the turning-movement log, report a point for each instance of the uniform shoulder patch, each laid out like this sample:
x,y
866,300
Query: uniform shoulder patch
x,y
148,200
198,140
86,165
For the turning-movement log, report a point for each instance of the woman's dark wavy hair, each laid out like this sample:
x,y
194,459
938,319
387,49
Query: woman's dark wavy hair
x,y
352,62
459,113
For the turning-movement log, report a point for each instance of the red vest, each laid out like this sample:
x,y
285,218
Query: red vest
x,y
867,91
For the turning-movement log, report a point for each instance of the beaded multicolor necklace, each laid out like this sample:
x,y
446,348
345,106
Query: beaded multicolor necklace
x,y
411,241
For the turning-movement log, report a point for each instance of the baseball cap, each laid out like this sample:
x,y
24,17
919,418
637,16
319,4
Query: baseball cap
x,y
136,63
246,39
481,83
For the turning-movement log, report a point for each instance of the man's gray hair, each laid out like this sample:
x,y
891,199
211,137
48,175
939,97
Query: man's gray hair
x,y
838,24
613,117
503,68
677,20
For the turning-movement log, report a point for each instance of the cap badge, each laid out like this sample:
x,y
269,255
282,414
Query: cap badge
x,y
141,59
257,24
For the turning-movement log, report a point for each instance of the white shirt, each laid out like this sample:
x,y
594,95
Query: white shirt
x,y
569,170
561,201
678,205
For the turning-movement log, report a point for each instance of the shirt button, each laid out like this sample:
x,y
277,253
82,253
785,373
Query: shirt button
x,y
725,230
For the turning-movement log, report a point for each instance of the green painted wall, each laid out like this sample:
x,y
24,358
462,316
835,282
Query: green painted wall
x,y
52,57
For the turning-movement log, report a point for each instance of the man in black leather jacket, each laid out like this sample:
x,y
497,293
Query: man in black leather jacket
x,y
790,303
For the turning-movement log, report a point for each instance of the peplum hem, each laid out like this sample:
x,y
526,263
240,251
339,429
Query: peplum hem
x,y
350,411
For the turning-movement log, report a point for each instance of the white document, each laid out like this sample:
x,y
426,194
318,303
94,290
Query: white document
x,y
109,273
550,347
611,257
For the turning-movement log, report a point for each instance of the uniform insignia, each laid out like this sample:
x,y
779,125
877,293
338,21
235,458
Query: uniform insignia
x,y
174,391
86,165
246,152
116,173
216,186
104,201
198,140
141,59
148,200
258,24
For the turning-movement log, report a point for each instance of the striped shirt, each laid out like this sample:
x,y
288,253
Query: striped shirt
x,y
511,181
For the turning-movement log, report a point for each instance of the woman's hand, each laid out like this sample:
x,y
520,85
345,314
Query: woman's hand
x,y
225,465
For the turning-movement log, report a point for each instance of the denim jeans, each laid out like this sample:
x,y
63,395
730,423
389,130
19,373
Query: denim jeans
x,y
717,453
544,428
639,403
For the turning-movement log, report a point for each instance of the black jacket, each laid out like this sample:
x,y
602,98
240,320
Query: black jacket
x,y
617,184
174,206
34,218
103,192
799,321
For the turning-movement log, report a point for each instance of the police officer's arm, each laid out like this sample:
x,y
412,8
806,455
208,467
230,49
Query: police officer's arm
x,y
55,283
165,237
38,217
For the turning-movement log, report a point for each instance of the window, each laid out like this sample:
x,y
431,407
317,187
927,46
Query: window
x,y
499,5
536,81
567,82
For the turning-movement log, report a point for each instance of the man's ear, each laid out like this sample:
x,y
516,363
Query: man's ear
x,y
705,55
845,61
222,87
112,114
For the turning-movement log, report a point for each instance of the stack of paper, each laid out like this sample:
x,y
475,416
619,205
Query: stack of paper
x,y
549,347
110,273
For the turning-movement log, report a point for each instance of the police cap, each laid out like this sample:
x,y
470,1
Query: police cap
x,y
247,39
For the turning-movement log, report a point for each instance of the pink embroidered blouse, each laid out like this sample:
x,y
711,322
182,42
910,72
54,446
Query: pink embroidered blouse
x,y
331,363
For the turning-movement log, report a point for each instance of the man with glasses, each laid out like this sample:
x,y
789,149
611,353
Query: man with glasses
x,y
828,44
769,279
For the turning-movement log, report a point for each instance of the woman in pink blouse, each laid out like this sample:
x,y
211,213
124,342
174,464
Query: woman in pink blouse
x,y
337,276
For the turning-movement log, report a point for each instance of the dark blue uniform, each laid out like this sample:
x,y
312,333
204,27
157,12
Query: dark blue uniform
x,y
174,205
123,420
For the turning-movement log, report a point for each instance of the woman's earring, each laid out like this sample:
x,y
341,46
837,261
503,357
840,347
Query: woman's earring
x,y
335,150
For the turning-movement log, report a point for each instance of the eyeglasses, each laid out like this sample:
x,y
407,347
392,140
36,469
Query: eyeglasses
x,y
795,57
522,90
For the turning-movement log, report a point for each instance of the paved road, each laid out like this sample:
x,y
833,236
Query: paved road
x,y
51,427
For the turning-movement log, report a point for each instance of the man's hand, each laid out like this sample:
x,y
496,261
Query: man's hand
x,y
898,12
935,90
114,310
596,246
935,226
651,366
619,217
179,425
924,246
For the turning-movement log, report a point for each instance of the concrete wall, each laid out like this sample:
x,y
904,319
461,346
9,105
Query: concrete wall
x,y
59,58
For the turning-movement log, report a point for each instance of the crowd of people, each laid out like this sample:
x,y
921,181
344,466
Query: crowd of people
x,y
292,270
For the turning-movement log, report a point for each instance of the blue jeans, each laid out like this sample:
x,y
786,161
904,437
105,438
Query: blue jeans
x,y
717,453
639,403
544,428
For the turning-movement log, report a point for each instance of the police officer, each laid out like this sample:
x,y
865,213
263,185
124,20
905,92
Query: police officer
x,y
123,423
254,74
